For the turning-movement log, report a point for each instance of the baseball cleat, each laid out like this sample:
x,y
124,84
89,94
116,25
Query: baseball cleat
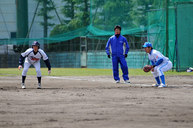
x,y
127,82
155,85
23,86
39,86
162,86
117,81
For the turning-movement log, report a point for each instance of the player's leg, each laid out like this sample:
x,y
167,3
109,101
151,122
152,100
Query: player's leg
x,y
38,71
24,73
115,69
124,69
163,68
156,76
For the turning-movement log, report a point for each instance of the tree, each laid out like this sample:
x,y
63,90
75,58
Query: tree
x,y
140,10
80,17
68,10
109,13
76,13
46,7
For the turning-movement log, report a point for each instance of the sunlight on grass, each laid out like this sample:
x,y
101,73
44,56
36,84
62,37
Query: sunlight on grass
x,y
80,72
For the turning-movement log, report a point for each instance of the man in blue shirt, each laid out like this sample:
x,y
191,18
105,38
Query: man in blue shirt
x,y
118,47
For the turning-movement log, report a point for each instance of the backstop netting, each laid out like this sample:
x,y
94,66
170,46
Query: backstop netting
x,y
75,32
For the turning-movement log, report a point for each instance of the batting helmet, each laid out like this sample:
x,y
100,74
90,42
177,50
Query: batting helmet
x,y
117,26
35,43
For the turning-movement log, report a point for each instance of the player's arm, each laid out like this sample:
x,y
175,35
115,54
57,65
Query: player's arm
x,y
159,61
46,60
107,48
22,58
152,63
127,46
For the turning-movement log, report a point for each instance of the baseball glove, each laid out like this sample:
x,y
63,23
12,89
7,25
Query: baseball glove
x,y
147,68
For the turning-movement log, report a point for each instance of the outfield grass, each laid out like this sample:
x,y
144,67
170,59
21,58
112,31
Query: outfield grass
x,y
80,72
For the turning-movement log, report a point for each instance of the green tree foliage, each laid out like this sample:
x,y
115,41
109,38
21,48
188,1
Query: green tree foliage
x,y
47,6
68,10
141,9
108,13
76,13
105,14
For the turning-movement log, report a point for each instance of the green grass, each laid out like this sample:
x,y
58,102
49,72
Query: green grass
x,y
80,72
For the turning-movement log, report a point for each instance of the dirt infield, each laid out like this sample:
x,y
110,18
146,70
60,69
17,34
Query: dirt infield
x,y
96,102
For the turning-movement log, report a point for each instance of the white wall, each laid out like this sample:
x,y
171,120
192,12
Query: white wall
x,y
8,11
7,18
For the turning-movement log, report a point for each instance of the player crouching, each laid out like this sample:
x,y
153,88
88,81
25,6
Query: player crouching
x,y
32,56
159,64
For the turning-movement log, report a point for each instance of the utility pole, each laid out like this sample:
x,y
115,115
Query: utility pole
x,y
22,18
167,33
45,18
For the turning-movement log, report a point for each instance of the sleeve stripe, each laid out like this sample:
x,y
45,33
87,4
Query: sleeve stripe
x,y
40,54
29,53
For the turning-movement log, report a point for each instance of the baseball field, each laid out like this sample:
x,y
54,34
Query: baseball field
x,y
89,98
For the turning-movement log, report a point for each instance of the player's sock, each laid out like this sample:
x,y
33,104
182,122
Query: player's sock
x,y
163,79
39,80
23,79
157,79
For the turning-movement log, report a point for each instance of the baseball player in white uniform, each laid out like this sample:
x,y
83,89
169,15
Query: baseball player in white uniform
x,y
159,63
32,56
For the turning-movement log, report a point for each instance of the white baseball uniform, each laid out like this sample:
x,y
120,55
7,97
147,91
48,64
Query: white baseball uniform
x,y
33,59
166,64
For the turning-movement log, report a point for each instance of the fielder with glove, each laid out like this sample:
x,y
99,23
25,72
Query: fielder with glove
x,y
159,64
32,56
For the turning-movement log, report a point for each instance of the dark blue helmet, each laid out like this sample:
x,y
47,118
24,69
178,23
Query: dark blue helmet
x,y
35,43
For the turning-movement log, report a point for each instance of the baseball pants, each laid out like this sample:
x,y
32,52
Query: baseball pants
x,y
27,65
158,70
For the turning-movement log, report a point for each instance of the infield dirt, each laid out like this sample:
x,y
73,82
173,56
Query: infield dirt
x,y
96,102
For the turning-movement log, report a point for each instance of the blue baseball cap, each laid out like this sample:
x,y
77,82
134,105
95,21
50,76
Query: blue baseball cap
x,y
147,44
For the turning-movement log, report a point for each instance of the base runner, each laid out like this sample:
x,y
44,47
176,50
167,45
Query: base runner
x,y
32,56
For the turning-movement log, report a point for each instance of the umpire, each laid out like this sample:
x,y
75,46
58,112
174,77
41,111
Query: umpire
x,y
118,46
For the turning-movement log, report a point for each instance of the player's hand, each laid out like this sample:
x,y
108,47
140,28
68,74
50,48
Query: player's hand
x,y
20,67
152,69
49,72
125,55
108,56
